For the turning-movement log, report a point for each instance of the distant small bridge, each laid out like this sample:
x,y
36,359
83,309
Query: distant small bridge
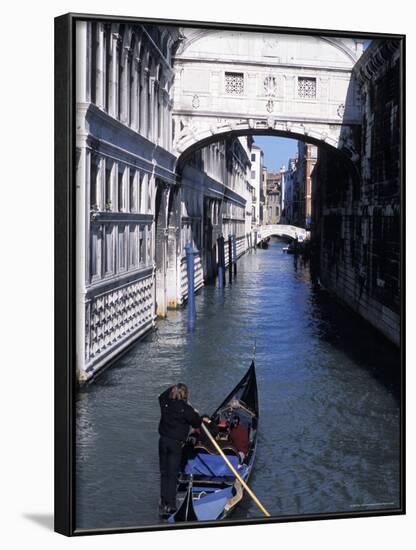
x,y
287,231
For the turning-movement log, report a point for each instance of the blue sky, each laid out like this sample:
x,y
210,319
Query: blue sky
x,y
277,150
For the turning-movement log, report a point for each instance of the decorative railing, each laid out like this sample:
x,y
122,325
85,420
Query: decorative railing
x,y
198,278
116,315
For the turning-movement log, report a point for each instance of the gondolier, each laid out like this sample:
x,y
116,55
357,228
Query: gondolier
x,y
212,478
177,416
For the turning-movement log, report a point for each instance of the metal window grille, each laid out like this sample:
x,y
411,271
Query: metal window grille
x,y
234,83
307,87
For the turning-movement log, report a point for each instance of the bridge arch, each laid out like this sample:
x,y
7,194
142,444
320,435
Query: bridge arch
x,y
230,83
286,231
346,154
235,81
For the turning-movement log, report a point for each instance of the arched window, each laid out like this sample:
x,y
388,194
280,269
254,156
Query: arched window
x,y
133,245
108,185
141,199
133,191
122,247
94,183
120,188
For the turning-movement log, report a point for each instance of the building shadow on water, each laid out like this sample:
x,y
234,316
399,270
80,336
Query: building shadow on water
x,y
107,376
345,330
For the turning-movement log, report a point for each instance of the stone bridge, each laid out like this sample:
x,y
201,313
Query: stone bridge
x,y
260,83
287,231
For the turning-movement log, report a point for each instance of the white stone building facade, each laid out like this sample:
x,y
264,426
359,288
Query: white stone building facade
x,y
135,212
148,97
256,180
289,178
259,82
123,141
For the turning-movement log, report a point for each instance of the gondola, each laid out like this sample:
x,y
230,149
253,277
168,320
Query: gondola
x,y
264,243
290,249
208,490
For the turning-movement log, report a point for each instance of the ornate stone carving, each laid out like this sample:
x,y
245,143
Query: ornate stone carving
x,y
270,46
189,127
195,102
346,141
270,106
341,110
270,86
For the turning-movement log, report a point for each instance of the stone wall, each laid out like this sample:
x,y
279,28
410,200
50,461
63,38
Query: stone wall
x,y
357,207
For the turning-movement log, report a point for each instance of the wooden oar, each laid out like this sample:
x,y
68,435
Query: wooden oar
x,y
243,483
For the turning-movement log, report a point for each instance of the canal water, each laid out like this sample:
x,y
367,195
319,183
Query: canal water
x,y
328,390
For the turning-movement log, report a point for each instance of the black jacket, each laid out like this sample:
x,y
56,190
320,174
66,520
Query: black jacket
x,y
176,417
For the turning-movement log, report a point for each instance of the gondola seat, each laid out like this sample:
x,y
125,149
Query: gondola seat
x,y
211,465
226,447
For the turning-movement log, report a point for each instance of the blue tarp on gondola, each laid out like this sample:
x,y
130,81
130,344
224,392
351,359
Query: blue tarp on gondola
x,y
212,505
204,464
209,506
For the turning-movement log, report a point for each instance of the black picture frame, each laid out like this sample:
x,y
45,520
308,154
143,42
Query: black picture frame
x,y
65,262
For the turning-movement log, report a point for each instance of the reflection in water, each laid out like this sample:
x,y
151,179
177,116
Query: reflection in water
x,y
328,391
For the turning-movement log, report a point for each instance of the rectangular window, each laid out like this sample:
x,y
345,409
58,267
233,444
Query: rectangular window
x,y
122,247
120,190
142,255
148,195
93,185
139,190
141,194
307,87
253,157
145,200
133,245
133,191
253,174
234,83
109,249
149,259
108,193
95,265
